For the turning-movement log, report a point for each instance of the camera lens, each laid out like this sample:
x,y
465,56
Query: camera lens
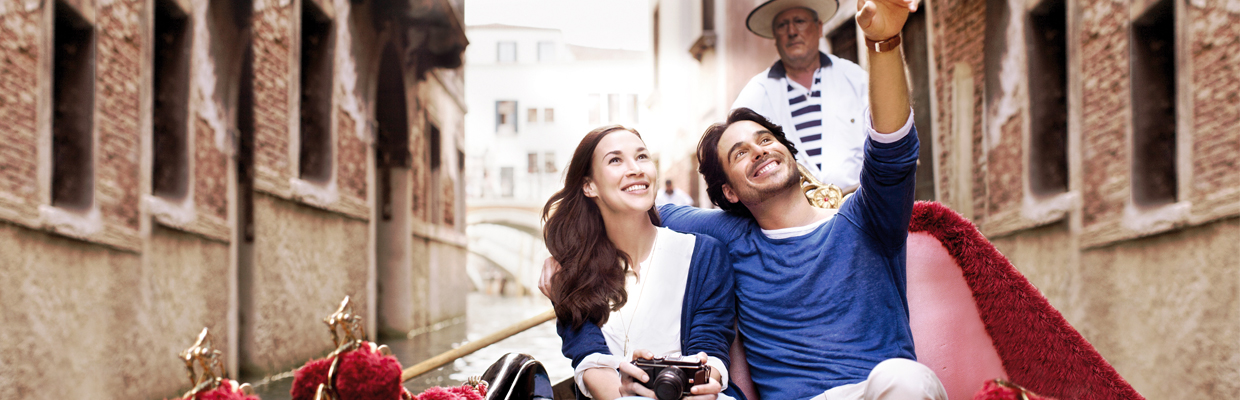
x,y
670,384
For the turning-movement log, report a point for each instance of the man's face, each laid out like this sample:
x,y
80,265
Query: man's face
x,y
796,35
758,166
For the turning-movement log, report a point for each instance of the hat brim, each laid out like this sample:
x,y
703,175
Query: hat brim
x,y
759,20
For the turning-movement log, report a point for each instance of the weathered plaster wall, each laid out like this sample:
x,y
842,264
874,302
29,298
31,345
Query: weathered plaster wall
x,y
81,321
1154,289
1164,310
305,261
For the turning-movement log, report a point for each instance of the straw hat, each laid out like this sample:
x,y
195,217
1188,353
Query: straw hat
x,y
759,20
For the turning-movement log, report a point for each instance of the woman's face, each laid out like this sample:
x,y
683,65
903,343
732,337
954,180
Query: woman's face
x,y
623,174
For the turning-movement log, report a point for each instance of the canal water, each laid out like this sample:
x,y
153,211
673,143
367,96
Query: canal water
x,y
486,314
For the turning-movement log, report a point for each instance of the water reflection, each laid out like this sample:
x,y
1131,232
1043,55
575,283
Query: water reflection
x,y
487,314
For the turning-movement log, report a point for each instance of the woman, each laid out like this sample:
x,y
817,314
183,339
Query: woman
x,y
627,288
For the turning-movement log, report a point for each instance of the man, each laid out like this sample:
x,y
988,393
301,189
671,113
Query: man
x,y
672,195
822,306
816,97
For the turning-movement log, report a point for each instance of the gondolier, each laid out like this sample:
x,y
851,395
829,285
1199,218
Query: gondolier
x,y
816,97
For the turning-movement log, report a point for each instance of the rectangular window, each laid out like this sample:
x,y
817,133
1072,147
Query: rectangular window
x,y
546,51
73,103
708,15
505,181
548,115
533,163
1046,39
245,146
595,102
1153,105
549,162
316,93
613,108
630,108
435,150
505,117
170,169
844,40
460,162
507,52
531,115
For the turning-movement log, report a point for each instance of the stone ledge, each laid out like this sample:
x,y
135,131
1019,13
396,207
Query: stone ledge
x,y
182,216
1034,212
1216,206
323,197
1136,222
88,227
439,233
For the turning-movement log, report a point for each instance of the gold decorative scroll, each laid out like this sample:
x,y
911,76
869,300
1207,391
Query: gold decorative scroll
x,y
203,355
821,195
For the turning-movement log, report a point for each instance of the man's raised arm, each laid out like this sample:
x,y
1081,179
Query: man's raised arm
x,y
881,22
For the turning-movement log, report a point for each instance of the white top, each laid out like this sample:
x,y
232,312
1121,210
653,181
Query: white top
x,y
650,319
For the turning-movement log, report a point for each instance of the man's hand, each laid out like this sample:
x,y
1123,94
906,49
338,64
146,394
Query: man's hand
x,y
709,390
550,267
883,19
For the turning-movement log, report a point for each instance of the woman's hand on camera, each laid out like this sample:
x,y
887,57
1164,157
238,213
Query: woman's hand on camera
x,y
632,378
631,381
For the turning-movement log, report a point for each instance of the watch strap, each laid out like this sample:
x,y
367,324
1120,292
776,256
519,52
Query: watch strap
x,y
883,45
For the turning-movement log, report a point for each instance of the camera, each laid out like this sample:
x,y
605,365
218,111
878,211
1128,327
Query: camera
x,y
672,377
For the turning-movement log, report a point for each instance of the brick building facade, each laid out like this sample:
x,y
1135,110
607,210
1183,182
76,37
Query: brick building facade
x,y
1097,145
173,164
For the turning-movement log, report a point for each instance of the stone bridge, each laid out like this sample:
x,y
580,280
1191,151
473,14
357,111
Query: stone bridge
x,y
507,234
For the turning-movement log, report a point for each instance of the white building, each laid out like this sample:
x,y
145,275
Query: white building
x,y
531,98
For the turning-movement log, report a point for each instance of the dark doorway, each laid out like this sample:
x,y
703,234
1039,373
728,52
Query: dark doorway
x,y
394,270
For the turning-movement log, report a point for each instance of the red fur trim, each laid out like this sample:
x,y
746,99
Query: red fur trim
x,y
463,392
1040,350
306,379
994,391
364,375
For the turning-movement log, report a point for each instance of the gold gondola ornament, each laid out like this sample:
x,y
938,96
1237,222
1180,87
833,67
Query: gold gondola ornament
x,y
212,382
821,195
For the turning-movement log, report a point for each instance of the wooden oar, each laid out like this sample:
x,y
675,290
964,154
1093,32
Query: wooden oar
x,y
469,348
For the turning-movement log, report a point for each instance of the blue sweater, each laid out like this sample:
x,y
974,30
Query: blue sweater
x,y
821,310
707,315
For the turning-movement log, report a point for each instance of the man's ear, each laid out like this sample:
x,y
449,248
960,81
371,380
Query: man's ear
x,y
589,188
729,194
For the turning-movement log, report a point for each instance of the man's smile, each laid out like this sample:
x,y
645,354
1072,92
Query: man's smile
x,y
763,168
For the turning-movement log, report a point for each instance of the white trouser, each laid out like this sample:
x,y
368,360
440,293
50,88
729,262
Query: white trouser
x,y
894,378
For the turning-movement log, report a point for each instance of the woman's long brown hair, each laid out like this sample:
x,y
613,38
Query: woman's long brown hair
x,y
590,282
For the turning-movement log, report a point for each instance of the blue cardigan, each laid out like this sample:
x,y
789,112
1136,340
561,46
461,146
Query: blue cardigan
x,y
707,315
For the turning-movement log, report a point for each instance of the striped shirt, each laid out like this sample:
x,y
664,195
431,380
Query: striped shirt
x,y
806,106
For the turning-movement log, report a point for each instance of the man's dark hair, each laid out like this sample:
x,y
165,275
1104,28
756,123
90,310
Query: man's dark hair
x,y
711,167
